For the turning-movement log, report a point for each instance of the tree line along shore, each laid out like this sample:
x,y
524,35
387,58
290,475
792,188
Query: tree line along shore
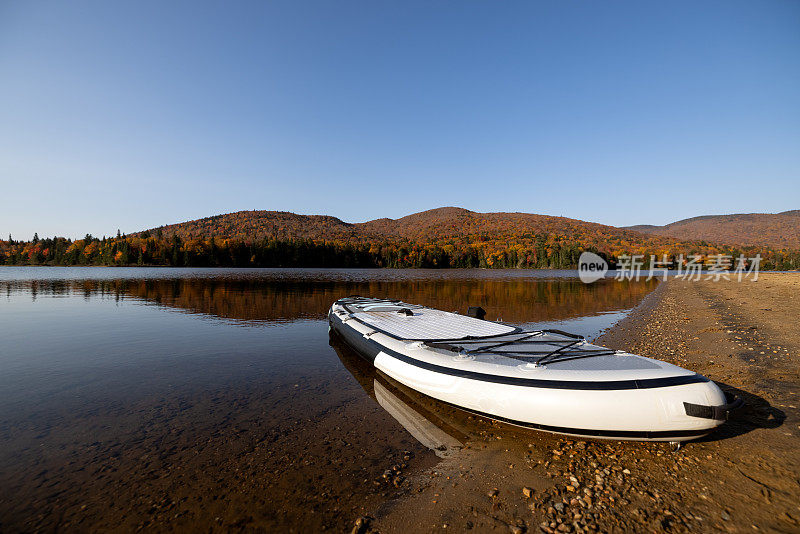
x,y
535,252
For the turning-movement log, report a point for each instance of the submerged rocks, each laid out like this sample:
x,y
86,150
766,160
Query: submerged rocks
x,y
361,525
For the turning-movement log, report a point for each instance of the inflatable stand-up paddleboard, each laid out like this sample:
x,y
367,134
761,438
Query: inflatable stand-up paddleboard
x,y
547,379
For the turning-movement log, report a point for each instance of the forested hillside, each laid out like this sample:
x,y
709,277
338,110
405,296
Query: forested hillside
x,y
776,230
444,237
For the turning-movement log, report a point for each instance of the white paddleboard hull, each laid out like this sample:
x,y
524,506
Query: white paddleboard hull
x,y
638,404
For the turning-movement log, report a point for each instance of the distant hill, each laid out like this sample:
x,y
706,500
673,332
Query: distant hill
x,y
457,226
776,230
460,223
248,225
438,238
447,236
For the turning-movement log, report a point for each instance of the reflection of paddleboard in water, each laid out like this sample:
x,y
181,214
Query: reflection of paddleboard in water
x,y
423,430
547,380
430,430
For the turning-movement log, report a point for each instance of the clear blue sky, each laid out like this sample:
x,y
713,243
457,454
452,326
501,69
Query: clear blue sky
x,y
135,114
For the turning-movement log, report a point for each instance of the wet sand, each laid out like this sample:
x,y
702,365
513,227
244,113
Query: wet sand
x,y
743,477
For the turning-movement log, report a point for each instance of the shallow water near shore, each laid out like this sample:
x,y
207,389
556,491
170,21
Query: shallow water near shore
x,y
189,398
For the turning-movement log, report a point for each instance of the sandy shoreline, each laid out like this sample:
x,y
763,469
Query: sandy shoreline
x,y
745,476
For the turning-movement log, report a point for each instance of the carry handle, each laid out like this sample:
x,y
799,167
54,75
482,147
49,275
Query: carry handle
x,y
719,413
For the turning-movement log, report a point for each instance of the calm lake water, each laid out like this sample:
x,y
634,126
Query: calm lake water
x,y
201,398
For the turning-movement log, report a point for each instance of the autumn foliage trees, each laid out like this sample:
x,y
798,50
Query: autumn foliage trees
x,y
214,252
447,237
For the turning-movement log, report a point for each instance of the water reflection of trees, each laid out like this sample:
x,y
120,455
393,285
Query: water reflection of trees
x,y
261,300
